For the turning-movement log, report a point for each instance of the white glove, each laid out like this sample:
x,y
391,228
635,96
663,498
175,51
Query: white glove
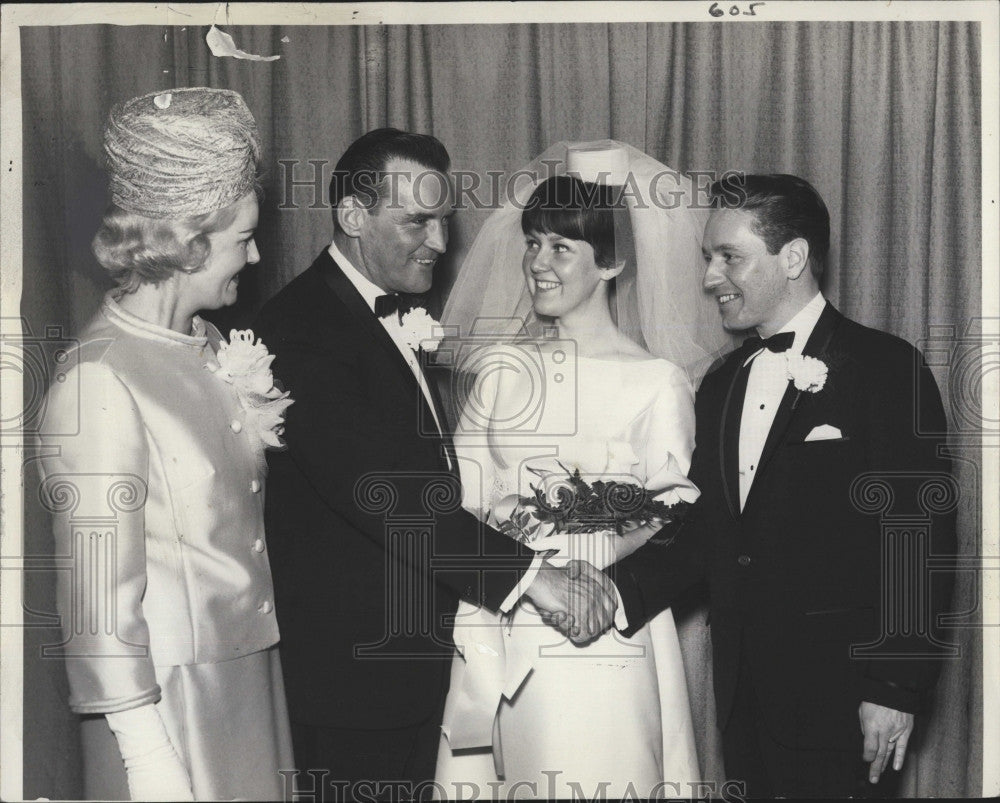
x,y
154,770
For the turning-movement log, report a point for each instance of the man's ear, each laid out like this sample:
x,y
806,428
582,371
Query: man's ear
x,y
351,216
795,257
607,274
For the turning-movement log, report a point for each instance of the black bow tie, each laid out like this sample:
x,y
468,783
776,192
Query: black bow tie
x,y
776,343
387,305
400,303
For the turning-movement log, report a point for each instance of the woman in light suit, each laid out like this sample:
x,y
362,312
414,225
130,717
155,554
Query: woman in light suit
x,y
168,615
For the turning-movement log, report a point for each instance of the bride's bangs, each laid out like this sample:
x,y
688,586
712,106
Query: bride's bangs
x,y
576,210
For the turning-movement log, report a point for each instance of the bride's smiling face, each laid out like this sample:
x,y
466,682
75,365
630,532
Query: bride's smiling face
x,y
561,274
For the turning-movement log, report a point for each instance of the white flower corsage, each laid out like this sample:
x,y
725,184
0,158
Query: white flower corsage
x,y
417,329
808,373
246,365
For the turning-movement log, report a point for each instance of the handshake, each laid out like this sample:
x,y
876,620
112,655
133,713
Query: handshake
x,y
578,599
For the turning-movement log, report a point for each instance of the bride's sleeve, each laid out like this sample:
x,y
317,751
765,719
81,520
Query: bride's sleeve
x,y
668,441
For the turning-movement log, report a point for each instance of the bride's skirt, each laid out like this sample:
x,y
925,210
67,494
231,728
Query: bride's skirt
x,y
610,719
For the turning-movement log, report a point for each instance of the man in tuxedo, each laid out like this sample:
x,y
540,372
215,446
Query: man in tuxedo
x,y
370,548
792,429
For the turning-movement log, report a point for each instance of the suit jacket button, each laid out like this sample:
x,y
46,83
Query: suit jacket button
x,y
258,545
743,560
266,607
235,425
255,486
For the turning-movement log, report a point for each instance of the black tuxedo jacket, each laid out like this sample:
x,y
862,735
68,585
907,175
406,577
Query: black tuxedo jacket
x,y
363,475
797,577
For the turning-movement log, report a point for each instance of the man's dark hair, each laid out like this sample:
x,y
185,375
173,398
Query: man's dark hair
x,y
361,171
783,207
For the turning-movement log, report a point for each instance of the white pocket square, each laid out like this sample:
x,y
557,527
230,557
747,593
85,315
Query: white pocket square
x,y
824,432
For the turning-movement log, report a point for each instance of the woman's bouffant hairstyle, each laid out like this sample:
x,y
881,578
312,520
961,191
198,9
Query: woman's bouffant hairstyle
x,y
137,250
576,210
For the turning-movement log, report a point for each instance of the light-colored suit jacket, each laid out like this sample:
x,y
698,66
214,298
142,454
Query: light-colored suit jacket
x,y
157,495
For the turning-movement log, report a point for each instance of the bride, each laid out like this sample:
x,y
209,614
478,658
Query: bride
x,y
610,256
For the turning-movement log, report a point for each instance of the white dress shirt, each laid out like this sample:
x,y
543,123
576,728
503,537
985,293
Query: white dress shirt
x,y
369,292
766,386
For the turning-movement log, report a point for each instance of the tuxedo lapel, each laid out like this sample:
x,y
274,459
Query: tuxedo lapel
x,y
365,318
791,404
729,437
432,385
348,294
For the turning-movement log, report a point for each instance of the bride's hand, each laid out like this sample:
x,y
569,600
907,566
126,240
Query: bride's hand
x,y
631,539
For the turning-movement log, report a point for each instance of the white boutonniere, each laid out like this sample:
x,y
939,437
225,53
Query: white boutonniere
x,y
246,365
808,373
415,330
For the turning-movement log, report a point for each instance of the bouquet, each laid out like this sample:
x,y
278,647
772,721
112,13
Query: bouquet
x,y
568,504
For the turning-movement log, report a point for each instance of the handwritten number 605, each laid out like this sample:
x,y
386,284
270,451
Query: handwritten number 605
x,y
734,11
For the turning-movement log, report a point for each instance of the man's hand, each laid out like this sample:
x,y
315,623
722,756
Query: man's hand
x,y
578,600
885,730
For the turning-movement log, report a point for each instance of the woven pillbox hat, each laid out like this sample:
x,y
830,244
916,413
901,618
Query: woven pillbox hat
x,y
180,153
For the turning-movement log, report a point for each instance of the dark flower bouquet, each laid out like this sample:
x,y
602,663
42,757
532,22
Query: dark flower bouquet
x,y
573,505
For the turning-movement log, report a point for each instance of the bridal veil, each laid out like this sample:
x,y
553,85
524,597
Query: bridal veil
x,y
658,300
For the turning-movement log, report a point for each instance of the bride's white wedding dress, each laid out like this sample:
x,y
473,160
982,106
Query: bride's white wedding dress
x,y
609,718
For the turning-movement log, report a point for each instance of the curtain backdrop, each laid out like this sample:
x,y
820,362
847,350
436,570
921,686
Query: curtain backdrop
x,y
883,118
